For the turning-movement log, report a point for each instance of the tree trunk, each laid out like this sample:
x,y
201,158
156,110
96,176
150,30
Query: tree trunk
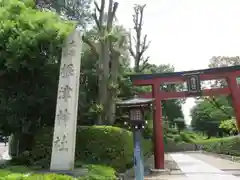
x,y
113,88
105,99
114,73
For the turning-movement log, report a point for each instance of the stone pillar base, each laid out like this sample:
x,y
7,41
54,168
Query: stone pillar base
x,y
159,171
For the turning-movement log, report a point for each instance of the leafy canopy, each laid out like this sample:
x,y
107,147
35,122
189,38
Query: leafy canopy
x,y
29,38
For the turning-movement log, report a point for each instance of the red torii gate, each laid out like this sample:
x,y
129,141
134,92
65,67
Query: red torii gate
x,y
193,79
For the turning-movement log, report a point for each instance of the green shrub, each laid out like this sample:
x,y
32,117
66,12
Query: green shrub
x,y
95,172
229,146
111,146
173,146
172,131
147,147
177,138
186,137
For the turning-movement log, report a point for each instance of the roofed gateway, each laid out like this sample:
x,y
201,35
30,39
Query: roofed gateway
x,y
193,80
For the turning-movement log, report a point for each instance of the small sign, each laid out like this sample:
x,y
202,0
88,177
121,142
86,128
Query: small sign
x,y
193,84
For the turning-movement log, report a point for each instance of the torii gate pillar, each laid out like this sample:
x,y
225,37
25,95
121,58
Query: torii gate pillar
x,y
158,128
235,93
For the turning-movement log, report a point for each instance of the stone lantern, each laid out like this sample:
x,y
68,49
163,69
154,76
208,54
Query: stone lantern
x,y
136,108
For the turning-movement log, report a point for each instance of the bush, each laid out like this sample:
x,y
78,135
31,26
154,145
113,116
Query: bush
x,y
111,146
97,172
188,138
173,146
229,146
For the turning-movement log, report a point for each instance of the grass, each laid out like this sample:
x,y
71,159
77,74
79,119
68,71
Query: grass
x,y
13,172
94,172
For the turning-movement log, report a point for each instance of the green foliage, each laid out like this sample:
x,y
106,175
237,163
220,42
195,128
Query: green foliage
x,y
30,50
27,34
229,126
80,10
94,172
177,145
206,117
229,146
208,114
98,172
107,145
180,122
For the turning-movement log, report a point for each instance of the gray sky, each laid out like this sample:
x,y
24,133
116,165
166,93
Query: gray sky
x,y
187,33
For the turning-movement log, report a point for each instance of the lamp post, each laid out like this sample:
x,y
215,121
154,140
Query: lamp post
x,y
136,108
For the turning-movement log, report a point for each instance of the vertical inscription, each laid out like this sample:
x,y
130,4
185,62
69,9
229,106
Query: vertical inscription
x,y
65,92
63,146
70,50
63,117
67,70
60,143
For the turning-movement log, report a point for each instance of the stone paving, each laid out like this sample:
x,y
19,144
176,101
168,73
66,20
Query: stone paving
x,y
225,165
149,164
194,165
197,168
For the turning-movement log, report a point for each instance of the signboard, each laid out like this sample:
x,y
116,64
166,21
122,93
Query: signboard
x,y
193,84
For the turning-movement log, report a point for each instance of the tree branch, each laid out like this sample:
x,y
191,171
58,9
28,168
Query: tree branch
x,y
101,13
145,64
140,45
130,46
96,6
213,101
94,15
112,8
145,46
99,22
91,45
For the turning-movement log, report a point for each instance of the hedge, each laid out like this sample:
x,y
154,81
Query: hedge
x,y
172,146
229,146
107,145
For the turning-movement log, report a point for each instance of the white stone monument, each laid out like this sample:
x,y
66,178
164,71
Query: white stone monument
x,y
64,138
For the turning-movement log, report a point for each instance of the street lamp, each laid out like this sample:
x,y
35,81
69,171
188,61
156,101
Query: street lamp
x,y
136,122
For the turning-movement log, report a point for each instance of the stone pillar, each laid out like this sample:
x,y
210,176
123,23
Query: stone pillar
x,y
64,138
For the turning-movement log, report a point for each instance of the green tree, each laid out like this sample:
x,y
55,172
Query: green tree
x,y
229,126
180,122
206,118
77,10
29,63
223,61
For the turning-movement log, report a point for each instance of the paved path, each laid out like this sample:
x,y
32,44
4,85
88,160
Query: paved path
x,y
197,169
225,165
